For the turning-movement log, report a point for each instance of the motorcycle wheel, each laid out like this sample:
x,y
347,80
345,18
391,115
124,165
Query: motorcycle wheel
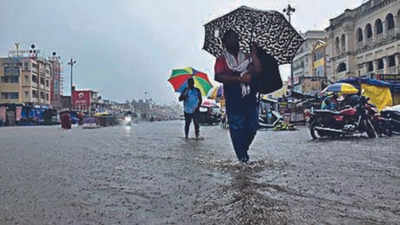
x,y
370,129
314,133
388,130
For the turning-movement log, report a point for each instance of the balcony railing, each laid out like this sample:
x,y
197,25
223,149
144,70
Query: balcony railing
x,y
360,44
392,70
370,74
379,37
340,76
390,33
368,41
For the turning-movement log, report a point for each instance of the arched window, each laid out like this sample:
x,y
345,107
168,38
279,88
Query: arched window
x,y
368,31
343,40
341,67
337,42
380,64
359,35
370,66
389,21
378,26
398,17
392,60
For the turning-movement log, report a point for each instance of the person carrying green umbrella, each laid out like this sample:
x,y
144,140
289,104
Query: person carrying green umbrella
x,y
192,85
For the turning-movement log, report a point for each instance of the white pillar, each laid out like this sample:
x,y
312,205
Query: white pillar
x,y
384,29
385,64
376,63
397,59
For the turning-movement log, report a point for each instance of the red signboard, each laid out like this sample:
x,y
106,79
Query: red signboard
x,y
81,99
392,78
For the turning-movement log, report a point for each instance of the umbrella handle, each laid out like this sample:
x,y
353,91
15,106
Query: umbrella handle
x,y
252,21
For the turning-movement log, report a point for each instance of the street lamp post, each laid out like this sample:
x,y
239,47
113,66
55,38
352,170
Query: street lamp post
x,y
289,11
33,54
71,63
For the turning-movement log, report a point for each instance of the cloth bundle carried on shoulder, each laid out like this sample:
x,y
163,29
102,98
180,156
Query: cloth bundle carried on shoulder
x,y
269,80
240,65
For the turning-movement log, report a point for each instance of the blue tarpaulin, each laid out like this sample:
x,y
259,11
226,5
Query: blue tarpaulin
x,y
356,82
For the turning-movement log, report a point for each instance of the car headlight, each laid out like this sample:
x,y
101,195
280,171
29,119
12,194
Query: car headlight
x,y
128,119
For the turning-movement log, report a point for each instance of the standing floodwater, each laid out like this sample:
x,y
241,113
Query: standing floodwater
x,y
149,174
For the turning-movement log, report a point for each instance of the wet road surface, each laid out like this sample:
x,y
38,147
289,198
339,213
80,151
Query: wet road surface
x,y
148,174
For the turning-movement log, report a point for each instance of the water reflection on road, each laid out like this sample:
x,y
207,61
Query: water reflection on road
x,y
148,174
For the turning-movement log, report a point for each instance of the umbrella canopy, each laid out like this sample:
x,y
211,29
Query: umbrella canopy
x,y
216,92
179,79
268,29
342,88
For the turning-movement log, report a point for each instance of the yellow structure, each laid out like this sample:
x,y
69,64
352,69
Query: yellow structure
x,y
318,55
25,80
379,96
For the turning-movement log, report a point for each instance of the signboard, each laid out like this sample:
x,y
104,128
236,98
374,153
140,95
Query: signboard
x,y
3,113
23,53
298,88
296,80
319,63
11,71
18,113
392,78
81,99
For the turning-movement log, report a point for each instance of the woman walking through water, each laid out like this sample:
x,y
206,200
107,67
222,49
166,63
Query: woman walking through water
x,y
236,71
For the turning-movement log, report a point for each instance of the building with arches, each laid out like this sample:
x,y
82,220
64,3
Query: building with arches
x,y
365,41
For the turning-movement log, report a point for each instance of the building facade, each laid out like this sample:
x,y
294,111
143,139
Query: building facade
x,y
25,80
319,59
365,41
56,84
305,63
85,100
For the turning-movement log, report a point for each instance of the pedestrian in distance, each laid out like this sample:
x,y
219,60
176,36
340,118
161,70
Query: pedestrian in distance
x,y
192,100
65,120
236,71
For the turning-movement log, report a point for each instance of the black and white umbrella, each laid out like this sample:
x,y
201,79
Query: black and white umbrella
x,y
268,29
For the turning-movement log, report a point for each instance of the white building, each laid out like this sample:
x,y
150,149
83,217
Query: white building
x,y
365,41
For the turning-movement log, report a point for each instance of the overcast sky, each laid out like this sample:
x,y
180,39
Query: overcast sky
x,y
126,47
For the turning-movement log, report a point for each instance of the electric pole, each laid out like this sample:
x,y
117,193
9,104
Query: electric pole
x,y
71,63
289,11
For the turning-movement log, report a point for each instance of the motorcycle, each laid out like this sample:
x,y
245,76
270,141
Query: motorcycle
x,y
209,115
269,120
393,114
381,124
351,120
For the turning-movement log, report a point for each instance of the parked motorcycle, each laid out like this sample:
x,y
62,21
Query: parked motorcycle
x,y
209,115
269,120
381,124
393,114
351,120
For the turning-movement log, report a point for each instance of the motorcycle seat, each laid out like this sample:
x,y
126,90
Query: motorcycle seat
x,y
326,111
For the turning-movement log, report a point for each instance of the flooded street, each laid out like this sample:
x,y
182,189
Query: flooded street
x,y
148,174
